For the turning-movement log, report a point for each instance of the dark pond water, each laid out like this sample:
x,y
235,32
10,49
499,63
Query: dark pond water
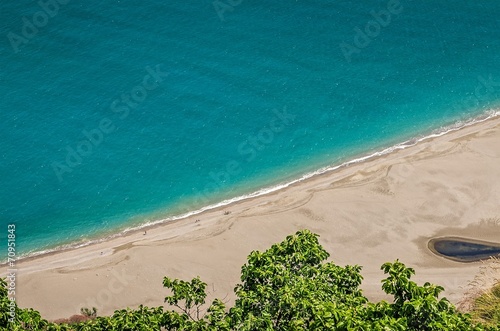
x,y
464,250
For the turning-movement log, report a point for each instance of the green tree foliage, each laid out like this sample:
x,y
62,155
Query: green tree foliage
x,y
92,313
290,286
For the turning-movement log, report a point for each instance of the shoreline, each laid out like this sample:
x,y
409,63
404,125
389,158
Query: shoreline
x,y
367,213
111,234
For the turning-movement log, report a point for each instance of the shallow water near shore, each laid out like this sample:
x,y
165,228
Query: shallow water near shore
x,y
79,162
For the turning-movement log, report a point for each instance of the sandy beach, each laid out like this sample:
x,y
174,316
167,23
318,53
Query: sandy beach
x,y
369,213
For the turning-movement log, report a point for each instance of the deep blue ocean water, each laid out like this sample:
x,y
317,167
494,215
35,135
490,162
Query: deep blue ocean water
x,y
118,113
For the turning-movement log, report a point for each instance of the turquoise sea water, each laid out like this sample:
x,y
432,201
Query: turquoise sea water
x,y
118,113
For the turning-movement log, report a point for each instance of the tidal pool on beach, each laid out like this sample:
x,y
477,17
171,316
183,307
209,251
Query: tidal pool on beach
x,y
464,249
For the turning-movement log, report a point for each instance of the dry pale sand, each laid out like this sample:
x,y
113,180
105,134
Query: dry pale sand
x,y
367,214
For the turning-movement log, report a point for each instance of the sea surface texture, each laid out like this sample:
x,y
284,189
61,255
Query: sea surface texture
x,y
114,114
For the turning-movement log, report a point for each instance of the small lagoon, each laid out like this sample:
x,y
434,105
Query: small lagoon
x,y
464,249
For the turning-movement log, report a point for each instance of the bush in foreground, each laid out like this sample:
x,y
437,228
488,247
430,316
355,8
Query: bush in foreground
x,y
290,286
486,307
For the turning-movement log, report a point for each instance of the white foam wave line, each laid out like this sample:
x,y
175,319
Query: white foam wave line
x,y
408,143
